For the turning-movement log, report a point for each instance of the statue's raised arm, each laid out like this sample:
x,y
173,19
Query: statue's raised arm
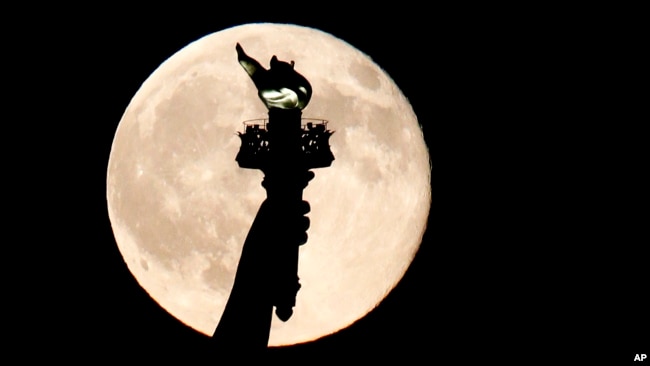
x,y
280,86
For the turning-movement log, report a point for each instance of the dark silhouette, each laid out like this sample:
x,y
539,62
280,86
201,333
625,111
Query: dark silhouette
x,y
265,277
285,150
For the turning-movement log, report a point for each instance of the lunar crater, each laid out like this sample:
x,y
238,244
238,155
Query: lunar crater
x,y
367,77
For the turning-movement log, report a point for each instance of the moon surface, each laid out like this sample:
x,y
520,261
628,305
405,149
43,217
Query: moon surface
x,y
180,207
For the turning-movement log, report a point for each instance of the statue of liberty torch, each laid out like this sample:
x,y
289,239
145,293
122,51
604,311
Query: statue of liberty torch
x,y
284,147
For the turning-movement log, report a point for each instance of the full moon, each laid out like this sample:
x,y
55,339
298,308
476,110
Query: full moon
x,y
180,207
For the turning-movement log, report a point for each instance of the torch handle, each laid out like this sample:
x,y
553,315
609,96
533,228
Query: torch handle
x,y
288,233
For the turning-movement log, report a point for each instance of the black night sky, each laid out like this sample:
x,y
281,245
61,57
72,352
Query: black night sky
x,y
517,260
